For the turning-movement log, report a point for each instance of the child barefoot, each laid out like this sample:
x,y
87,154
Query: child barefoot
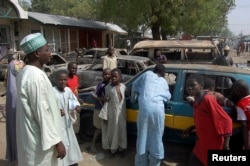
x,y
113,113
99,100
68,104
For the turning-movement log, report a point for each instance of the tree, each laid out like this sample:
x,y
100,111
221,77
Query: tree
x,y
41,6
164,17
73,8
159,15
226,33
24,4
207,17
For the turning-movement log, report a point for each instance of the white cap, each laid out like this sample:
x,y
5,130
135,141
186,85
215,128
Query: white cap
x,y
32,42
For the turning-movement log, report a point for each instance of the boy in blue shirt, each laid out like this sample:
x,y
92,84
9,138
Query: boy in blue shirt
x,y
99,101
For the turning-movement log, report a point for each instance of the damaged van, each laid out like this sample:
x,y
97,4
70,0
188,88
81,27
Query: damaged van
x,y
178,51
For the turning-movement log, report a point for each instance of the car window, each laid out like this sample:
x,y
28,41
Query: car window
x,y
140,52
89,54
148,63
97,54
127,67
132,68
171,79
172,54
96,67
222,84
56,60
122,52
100,54
140,66
121,63
200,55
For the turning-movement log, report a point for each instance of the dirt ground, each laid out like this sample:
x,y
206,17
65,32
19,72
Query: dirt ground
x,y
175,154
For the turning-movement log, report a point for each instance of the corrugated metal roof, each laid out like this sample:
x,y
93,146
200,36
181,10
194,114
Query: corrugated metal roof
x,y
74,22
65,21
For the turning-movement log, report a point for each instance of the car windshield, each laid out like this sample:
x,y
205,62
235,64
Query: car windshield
x,y
56,60
94,54
149,63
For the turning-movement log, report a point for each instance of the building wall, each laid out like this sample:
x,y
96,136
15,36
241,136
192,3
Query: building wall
x,y
9,32
15,25
86,36
5,27
59,37
51,33
66,38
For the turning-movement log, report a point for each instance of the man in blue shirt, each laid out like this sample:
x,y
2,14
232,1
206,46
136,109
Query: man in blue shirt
x,y
152,90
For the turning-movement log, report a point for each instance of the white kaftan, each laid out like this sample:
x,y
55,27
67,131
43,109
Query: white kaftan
x,y
37,119
109,62
114,132
68,135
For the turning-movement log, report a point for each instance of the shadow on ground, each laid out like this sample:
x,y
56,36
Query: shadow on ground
x,y
5,163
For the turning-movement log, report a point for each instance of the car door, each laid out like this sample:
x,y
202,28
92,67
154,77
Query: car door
x,y
174,78
132,108
183,112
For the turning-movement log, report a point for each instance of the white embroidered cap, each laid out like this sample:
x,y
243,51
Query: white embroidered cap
x,y
32,42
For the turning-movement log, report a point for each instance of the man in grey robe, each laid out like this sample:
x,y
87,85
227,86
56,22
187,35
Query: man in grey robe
x,y
13,68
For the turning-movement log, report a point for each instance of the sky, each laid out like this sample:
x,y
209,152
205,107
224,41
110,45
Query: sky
x,y
239,18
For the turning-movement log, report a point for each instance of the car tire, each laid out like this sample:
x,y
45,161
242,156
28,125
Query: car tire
x,y
87,129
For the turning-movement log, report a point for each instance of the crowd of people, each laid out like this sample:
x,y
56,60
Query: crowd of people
x,y
42,122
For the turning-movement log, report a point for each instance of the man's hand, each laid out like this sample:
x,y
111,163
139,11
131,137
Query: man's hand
x,y
78,109
94,96
61,152
105,122
226,143
187,131
62,112
106,99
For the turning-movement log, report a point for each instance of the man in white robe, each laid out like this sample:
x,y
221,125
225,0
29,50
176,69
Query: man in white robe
x,y
110,60
38,117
